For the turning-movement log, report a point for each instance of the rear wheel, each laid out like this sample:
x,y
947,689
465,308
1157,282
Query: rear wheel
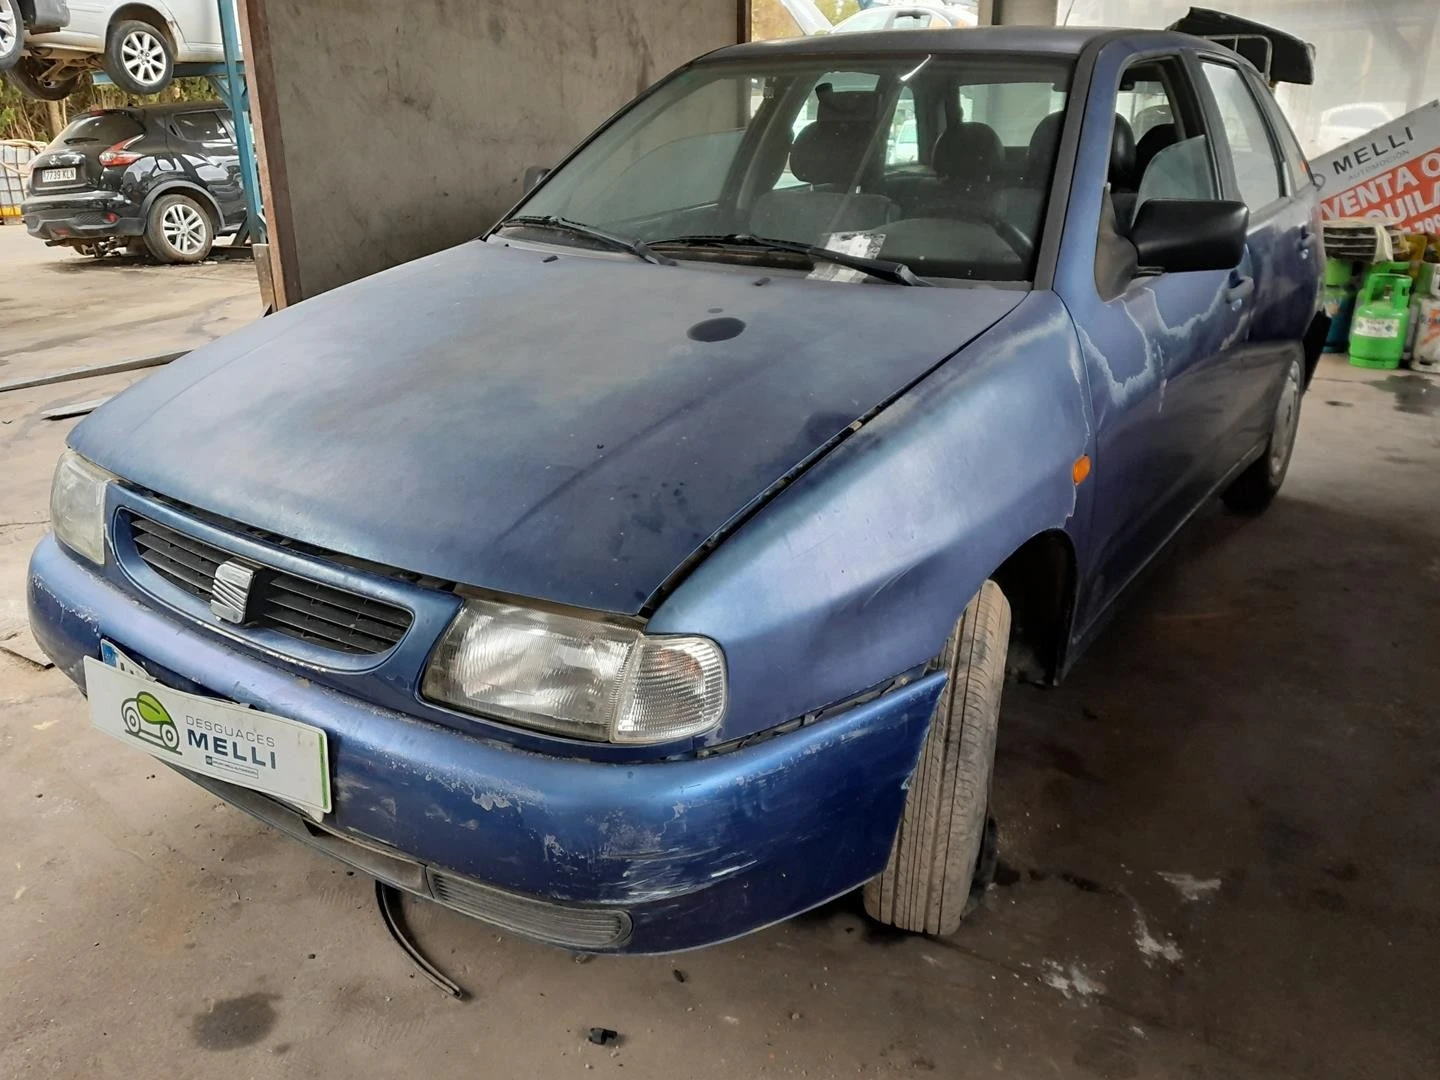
x,y
12,34
43,80
178,230
1253,490
139,57
926,884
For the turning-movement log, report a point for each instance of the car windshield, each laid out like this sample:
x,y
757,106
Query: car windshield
x,y
942,163
108,128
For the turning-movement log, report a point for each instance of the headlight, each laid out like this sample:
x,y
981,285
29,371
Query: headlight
x,y
576,676
77,505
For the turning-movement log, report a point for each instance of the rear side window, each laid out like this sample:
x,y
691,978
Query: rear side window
x,y
1257,169
202,127
100,129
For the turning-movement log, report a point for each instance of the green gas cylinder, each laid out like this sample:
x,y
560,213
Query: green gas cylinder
x,y
1382,316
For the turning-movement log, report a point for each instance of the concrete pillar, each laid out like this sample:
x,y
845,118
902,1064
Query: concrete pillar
x,y
1019,12
390,130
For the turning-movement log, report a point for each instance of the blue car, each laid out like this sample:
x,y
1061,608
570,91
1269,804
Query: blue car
x,y
648,570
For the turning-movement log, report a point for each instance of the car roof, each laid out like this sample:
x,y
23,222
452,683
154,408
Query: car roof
x,y
168,109
1061,41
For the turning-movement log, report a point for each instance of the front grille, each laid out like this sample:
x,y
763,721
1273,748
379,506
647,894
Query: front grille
x,y
557,924
286,603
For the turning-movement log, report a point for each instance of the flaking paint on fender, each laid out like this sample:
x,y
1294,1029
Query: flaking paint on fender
x,y
861,567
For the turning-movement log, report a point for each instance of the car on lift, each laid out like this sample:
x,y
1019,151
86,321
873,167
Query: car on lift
x,y
647,570
164,179
136,44
21,17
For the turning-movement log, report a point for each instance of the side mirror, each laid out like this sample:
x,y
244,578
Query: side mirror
x,y
533,175
1176,235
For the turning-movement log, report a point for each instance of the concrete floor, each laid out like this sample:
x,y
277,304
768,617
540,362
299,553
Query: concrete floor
x,y
1218,849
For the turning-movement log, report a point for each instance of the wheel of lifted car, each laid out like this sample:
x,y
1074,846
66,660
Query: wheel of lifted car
x,y
1254,489
43,80
12,34
139,57
178,230
926,884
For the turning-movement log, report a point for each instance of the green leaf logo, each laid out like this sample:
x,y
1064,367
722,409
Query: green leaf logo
x,y
151,711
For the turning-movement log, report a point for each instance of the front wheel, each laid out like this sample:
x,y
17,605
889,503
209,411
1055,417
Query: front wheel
x,y
1254,489
925,886
43,80
139,57
12,34
178,230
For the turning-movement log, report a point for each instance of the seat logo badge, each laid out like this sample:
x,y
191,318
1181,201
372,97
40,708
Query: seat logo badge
x,y
230,594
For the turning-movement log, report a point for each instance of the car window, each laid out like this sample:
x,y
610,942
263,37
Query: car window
x,y
675,161
1174,159
103,129
903,146
1011,109
1257,169
1297,166
792,149
201,127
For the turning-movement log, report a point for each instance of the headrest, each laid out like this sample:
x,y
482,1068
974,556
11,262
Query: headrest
x,y
1044,145
1152,142
826,152
1122,153
970,151
845,106
1044,140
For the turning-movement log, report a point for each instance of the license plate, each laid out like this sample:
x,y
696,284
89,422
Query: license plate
x,y
245,746
54,176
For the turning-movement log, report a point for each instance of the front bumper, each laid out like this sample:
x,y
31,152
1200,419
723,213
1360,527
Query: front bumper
x,y
690,852
85,215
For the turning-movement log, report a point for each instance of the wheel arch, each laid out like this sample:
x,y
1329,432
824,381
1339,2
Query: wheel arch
x,y
186,187
146,13
1039,581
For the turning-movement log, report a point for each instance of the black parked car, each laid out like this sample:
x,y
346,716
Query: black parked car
x,y
165,178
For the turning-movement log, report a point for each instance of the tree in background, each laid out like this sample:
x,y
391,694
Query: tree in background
x,y
41,121
769,19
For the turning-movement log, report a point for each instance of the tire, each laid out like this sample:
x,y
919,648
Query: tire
x,y
179,230
12,34
170,737
1255,488
33,79
925,886
130,715
139,57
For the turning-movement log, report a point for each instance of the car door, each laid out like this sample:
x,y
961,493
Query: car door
x,y
1282,246
1159,348
199,23
208,148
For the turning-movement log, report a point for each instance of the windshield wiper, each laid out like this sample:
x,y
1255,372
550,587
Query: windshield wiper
x,y
638,248
896,273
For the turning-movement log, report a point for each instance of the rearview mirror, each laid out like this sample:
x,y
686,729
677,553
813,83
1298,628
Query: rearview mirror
x,y
533,175
1176,235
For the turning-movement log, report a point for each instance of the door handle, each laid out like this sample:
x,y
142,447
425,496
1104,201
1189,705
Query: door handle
x,y
1307,234
1240,287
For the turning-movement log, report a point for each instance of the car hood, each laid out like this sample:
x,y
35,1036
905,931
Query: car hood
x,y
567,428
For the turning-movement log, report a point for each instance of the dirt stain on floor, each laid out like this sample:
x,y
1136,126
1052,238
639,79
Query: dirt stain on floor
x,y
234,1022
1414,394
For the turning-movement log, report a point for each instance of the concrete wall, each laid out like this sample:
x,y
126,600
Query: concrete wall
x,y
390,130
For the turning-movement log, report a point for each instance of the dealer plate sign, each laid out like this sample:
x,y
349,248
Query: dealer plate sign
x,y
249,748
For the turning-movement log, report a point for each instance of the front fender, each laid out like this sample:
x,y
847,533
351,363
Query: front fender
x,y
859,570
